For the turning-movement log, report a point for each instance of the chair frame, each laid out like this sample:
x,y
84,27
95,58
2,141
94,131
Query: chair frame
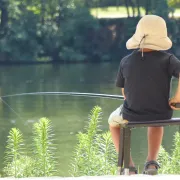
x,y
125,140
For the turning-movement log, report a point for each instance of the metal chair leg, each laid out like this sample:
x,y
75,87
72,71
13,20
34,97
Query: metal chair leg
x,y
127,147
121,151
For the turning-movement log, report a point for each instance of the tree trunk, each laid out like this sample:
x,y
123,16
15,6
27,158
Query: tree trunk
x,y
138,8
147,6
97,6
43,9
60,16
4,18
117,4
132,6
86,3
127,7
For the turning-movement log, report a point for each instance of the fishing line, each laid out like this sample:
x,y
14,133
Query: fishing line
x,y
10,108
109,96
13,111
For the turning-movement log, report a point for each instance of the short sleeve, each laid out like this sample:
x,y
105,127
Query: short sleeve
x,y
174,66
120,78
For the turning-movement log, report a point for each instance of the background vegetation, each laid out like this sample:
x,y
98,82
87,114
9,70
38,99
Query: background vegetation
x,y
74,30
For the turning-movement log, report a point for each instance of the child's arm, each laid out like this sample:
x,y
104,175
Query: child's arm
x,y
123,93
174,70
176,98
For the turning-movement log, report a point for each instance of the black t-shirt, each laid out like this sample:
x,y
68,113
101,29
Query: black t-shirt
x,y
146,81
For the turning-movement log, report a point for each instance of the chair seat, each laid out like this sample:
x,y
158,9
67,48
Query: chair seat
x,y
167,122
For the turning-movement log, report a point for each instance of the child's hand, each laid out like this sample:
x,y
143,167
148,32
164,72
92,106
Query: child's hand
x,y
174,100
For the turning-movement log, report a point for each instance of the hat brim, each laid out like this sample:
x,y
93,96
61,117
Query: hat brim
x,y
155,43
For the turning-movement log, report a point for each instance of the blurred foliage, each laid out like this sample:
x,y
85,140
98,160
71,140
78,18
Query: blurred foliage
x,y
64,30
174,3
56,29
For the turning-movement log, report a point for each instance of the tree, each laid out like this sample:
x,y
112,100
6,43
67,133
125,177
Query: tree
x,y
162,8
138,7
133,5
43,10
147,6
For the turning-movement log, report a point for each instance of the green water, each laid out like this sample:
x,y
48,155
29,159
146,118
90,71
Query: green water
x,y
68,114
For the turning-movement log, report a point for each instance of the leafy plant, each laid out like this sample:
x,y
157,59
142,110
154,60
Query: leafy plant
x,y
41,162
24,166
44,148
13,151
169,162
94,153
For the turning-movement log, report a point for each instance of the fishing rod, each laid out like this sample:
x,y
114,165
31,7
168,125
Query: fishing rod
x,y
109,96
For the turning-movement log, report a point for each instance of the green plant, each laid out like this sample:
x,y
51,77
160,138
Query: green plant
x,y
169,162
94,153
44,148
24,166
13,151
41,162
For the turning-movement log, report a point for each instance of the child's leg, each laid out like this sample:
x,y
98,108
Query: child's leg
x,y
155,135
115,133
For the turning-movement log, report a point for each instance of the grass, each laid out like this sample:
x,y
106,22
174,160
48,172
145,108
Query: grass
x,y
112,12
119,12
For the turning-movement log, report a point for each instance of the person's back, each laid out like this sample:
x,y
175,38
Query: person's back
x,y
144,77
147,85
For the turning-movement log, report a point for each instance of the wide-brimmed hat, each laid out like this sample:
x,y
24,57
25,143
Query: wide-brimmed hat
x,y
151,33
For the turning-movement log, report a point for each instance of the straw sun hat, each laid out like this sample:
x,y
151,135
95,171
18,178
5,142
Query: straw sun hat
x,y
151,33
